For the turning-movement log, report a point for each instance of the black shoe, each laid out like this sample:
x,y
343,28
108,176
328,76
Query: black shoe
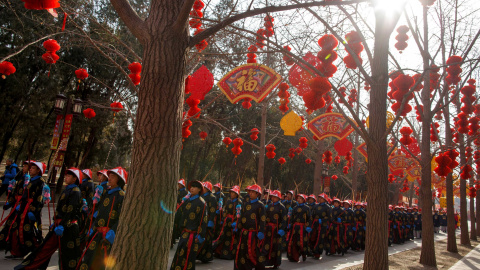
x,y
10,257
304,257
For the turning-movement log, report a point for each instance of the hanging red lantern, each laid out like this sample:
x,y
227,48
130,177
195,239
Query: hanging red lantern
x,y
203,135
287,58
194,109
281,161
327,157
406,139
135,71
227,141
116,106
402,38
334,177
51,45
270,151
254,134
343,146
50,57
308,161
443,161
354,41
391,178
345,170
89,113
303,142
454,70
337,159
41,4
7,68
327,55
81,74
284,97
236,150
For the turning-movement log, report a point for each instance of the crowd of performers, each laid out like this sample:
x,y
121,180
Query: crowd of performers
x,y
255,229
83,225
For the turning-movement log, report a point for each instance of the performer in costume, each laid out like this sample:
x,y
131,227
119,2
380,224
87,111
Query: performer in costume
x,y
299,226
276,225
417,223
348,225
102,235
64,232
205,251
320,221
182,192
219,212
251,229
391,222
398,226
336,229
359,227
193,226
289,204
443,221
266,197
409,224
225,246
436,222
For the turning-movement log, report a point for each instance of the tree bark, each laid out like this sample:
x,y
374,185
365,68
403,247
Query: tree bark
x,y
473,231
146,218
477,213
317,173
376,246
464,237
261,154
427,255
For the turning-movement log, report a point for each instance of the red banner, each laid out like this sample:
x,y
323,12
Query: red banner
x,y
56,133
67,125
59,160
330,125
253,81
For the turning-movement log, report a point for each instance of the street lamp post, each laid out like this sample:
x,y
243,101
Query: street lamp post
x,y
66,109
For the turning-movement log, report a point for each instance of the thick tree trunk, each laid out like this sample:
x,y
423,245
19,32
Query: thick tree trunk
x,y
477,213
427,255
261,154
376,247
146,218
464,237
451,233
317,173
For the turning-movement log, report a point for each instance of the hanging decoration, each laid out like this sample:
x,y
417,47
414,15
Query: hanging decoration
x,y
308,161
41,4
291,123
246,103
337,159
398,163
89,113
270,151
135,70
319,86
260,38
334,177
291,155
268,26
81,74
237,143
434,131
406,139
303,142
6,69
284,95
354,41
203,135
194,109
330,125
345,170
254,134
186,127
443,162
352,98
249,81
288,59
327,55
327,157
402,38
196,23
391,178
251,56
52,46
281,161
453,70
227,141
299,77
200,83
343,146
402,83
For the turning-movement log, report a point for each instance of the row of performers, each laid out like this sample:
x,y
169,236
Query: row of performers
x,y
255,232
84,221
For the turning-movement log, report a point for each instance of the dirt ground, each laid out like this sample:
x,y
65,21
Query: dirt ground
x,y
409,259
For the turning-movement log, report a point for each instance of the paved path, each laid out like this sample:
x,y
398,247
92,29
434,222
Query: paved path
x,y
470,261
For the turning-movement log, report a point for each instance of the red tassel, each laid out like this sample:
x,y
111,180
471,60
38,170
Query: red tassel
x,y
64,21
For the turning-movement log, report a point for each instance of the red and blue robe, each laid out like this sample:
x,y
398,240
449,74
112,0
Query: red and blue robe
x,y
276,226
299,225
225,246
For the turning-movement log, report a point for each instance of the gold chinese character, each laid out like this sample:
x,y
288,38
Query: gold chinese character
x,y
246,81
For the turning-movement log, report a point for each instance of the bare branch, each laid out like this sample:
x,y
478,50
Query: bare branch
x,y
182,18
214,29
26,46
131,19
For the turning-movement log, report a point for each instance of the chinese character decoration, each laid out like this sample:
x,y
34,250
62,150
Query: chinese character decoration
x,y
291,123
330,125
249,81
398,164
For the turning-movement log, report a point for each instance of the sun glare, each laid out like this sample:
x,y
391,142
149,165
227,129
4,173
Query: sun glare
x,y
389,6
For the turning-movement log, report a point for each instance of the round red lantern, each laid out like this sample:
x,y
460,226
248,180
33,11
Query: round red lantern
x,y
227,141
203,135
7,68
89,113
281,161
81,74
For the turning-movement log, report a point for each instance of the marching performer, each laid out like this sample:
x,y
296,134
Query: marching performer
x,y
359,227
182,192
251,229
225,246
391,220
289,204
102,235
64,232
398,226
205,251
87,187
436,221
417,222
336,229
275,228
193,226
348,225
320,220
219,212
299,226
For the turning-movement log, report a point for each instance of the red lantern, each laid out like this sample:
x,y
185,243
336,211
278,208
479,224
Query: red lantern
x,y
270,151
203,135
194,110
303,142
50,57
246,103
345,170
443,161
281,161
334,177
254,134
81,74
343,146
89,113
391,178
328,157
402,38
7,68
135,70
308,161
453,70
337,159
236,150
51,45
41,4
116,106
227,141
354,41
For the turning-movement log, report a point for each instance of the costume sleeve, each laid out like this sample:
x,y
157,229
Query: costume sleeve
x,y
242,214
115,216
263,218
37,202
308,218
283,218
212,208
